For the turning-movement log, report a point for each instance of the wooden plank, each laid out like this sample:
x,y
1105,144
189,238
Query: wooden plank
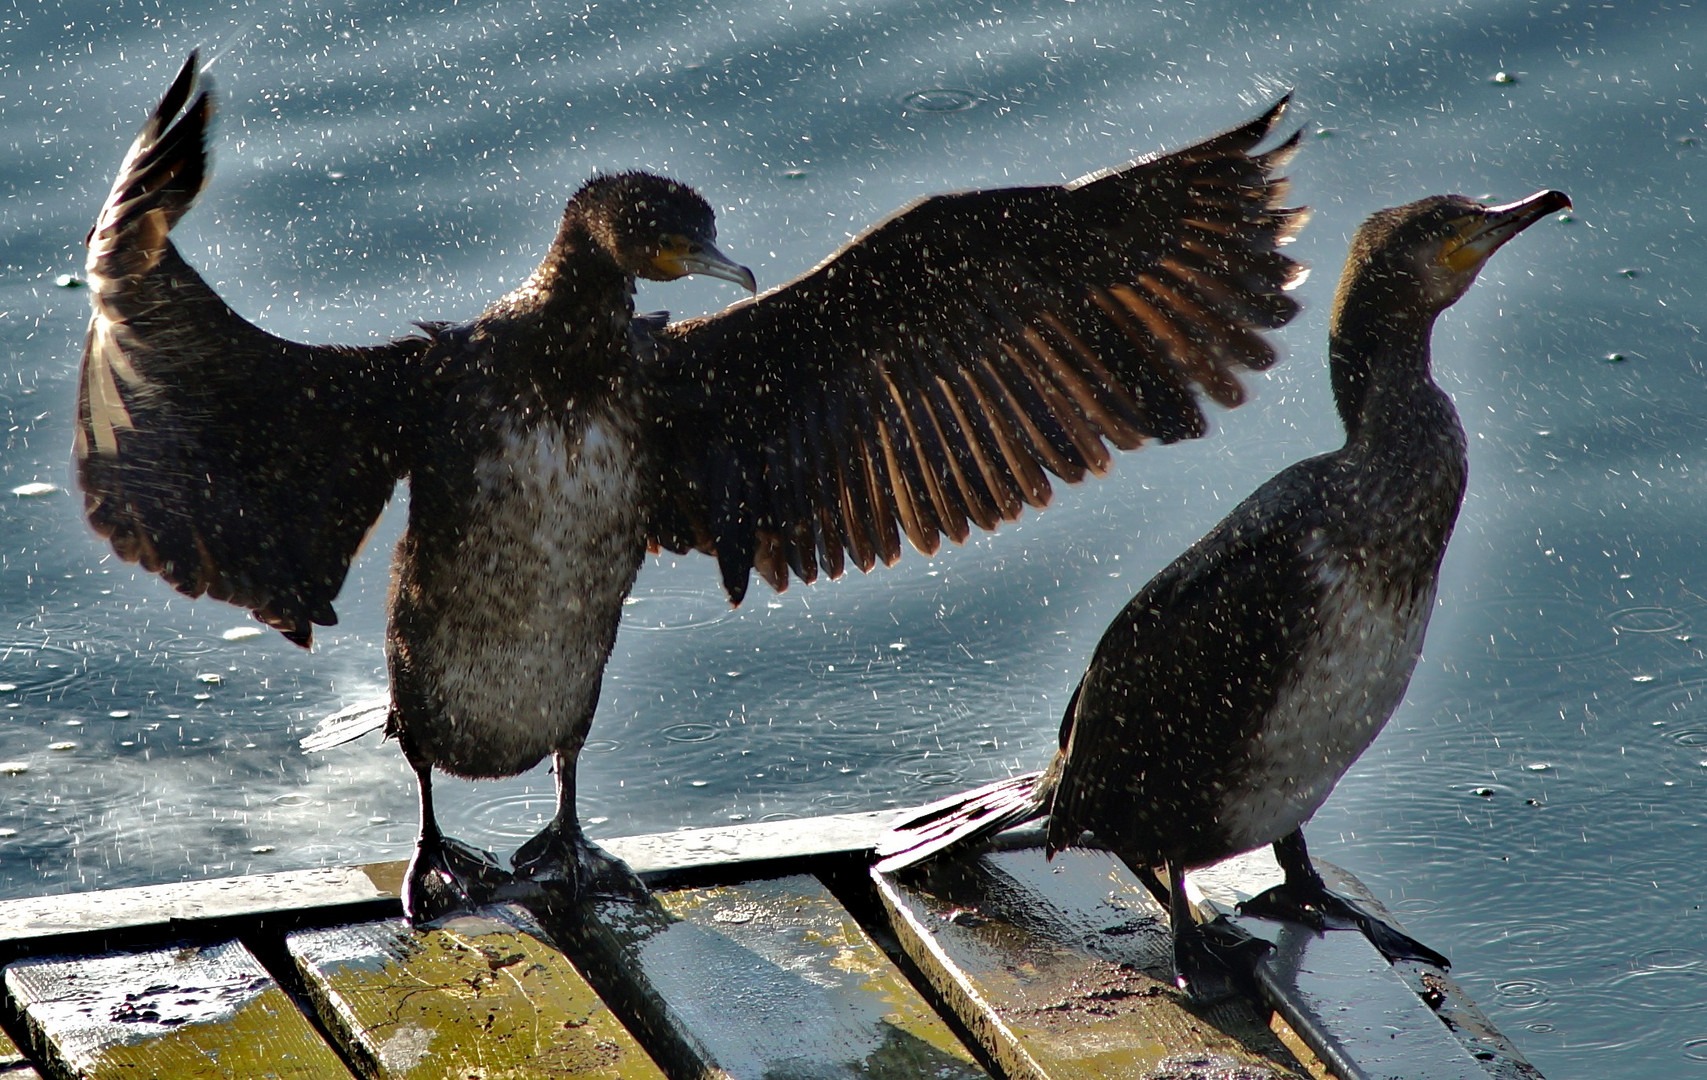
x,y
189,1012
1361,1015
36,919
1063,970
475,998
766,978
29,922
13,1064
800,838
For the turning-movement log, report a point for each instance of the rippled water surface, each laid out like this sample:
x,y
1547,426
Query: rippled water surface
x,y
1535,807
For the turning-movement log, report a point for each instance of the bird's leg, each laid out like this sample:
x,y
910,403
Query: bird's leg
x,y
562,859
1304,897
1212,960
446,877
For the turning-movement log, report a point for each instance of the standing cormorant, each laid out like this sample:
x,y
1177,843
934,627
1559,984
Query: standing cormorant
x,y
1235,689
918,382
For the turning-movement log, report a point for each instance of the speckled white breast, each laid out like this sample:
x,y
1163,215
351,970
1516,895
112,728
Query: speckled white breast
x,y
1340,694
536,589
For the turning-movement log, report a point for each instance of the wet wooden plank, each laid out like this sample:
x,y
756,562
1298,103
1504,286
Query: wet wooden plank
x,y
187,1013
475,998
31,921
763,979
690,849
1361,1015
13,1064
34,920
1063,969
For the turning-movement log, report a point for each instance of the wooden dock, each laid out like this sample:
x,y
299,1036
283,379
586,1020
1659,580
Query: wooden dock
x,y
772,951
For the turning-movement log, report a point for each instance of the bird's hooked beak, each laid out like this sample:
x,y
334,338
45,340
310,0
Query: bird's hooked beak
x,y
681,256
1485,232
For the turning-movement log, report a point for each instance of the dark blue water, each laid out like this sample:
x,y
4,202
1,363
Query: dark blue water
x,y
1534,808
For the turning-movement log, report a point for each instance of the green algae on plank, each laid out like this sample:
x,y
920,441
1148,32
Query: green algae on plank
x,y
191,1012
477,998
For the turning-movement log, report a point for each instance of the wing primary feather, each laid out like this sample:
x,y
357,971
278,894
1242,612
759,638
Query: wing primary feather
x,y
900,463
961,435
932,446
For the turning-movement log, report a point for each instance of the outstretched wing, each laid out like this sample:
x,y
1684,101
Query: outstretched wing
x,y
923,379
228,461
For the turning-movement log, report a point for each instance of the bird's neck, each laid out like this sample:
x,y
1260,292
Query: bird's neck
x,y
1378,363
575,309
1404,442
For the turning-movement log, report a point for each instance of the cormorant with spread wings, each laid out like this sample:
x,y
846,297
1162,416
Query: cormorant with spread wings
x,y
923,380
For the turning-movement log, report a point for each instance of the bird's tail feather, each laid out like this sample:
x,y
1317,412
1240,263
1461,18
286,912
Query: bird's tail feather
x,y
961,819
347,725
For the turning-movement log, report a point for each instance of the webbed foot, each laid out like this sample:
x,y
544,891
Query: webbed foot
x,y
1314,905
448,877
570,868
1213,960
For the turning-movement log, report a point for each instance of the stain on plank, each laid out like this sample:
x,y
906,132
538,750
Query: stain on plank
x,y
189,1012
769,978
1063,970
479,997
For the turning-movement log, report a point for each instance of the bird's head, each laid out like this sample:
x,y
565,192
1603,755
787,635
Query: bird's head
x,y
1425,255
655,228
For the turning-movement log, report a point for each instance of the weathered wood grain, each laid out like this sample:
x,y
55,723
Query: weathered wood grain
x,y
769,978
1063,970
477,998
186,1013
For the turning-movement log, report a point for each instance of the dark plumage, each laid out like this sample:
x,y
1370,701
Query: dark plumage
x,y
920,381
1236,688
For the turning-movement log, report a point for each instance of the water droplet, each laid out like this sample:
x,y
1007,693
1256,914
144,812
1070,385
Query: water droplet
x,y
242,633
34,490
